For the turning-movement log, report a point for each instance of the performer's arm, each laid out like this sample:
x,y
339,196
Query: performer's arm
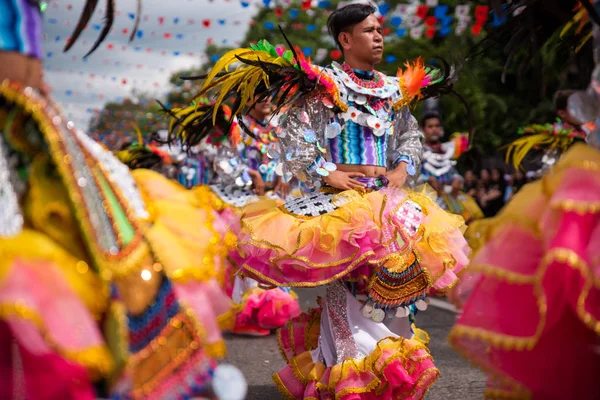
x,y
406,147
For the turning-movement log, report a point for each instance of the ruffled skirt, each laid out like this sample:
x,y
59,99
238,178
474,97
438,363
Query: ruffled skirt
x,y
336,353
531,298
262,309
257,309
327,236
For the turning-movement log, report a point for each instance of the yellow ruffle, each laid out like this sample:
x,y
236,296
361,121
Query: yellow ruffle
x,y
34,246
375,364
263,222
85,284
181,230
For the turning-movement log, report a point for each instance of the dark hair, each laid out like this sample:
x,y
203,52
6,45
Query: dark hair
x,y
125,145
343,19
430,115
561,99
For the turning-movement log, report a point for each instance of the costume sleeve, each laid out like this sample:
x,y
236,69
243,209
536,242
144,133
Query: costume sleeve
x,y
406,144
302,140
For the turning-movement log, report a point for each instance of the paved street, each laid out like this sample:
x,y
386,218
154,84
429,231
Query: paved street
x,y
259,358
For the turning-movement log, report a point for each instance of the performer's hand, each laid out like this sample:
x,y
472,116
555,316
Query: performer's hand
x,y
282,189
344,180
397,176
257,182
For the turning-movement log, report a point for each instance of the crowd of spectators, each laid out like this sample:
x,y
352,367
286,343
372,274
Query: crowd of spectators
x,y
493,188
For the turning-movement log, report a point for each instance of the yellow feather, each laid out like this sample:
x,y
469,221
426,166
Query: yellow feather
x,y
140,137
226,87
230,58
518,149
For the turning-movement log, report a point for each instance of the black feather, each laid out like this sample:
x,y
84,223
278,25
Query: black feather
x,y
86,14
200,77
138,17
470,128
109,18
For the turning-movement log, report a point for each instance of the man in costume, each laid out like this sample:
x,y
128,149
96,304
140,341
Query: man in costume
x,y
104,276
358,232
530,299
439,157
439,171
542,144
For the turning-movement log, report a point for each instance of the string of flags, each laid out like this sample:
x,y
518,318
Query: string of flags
x,y
415,20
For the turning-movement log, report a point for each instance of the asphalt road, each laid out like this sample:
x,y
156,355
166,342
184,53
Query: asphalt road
x,y
259,358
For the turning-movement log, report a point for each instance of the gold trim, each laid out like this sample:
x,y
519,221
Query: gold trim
x,y
406,99
281,387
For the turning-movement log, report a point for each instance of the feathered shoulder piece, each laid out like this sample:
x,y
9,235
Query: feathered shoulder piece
x,y
140,155
202,120
542,136
244,77
419,81
461,143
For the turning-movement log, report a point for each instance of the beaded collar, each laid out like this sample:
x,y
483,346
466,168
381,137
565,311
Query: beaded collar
x,y
374,83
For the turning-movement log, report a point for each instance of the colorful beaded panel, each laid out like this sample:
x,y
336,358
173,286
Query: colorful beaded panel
x,y
399,283
145,327
167,354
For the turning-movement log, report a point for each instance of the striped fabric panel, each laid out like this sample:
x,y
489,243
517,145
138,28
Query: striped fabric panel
x,y
357,145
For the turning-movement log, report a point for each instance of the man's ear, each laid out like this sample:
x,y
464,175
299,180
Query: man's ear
x,y
345,40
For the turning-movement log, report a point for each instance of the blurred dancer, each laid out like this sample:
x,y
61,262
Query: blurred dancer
x,y
245,171
104,276
531,299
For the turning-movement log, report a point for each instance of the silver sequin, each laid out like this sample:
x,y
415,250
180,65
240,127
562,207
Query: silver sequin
x,y
11,219
345,346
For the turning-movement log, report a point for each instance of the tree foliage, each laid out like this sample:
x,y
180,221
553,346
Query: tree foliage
x,y
114,124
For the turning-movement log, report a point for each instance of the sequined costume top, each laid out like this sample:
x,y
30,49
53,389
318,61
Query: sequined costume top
x,y
371,125
364,144
254,151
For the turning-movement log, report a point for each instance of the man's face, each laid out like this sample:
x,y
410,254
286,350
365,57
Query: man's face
x,y
457,184
364,41
566,116
432,128
264,107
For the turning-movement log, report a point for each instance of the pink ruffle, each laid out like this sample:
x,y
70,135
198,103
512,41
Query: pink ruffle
x,y
532,300
38,376
287,250
397,369
46,322
269,309
208,301
64,318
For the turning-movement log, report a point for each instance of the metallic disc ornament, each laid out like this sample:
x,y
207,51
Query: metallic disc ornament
x,y
378,315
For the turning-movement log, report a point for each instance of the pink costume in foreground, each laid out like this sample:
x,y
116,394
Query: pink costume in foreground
x,y
532,317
